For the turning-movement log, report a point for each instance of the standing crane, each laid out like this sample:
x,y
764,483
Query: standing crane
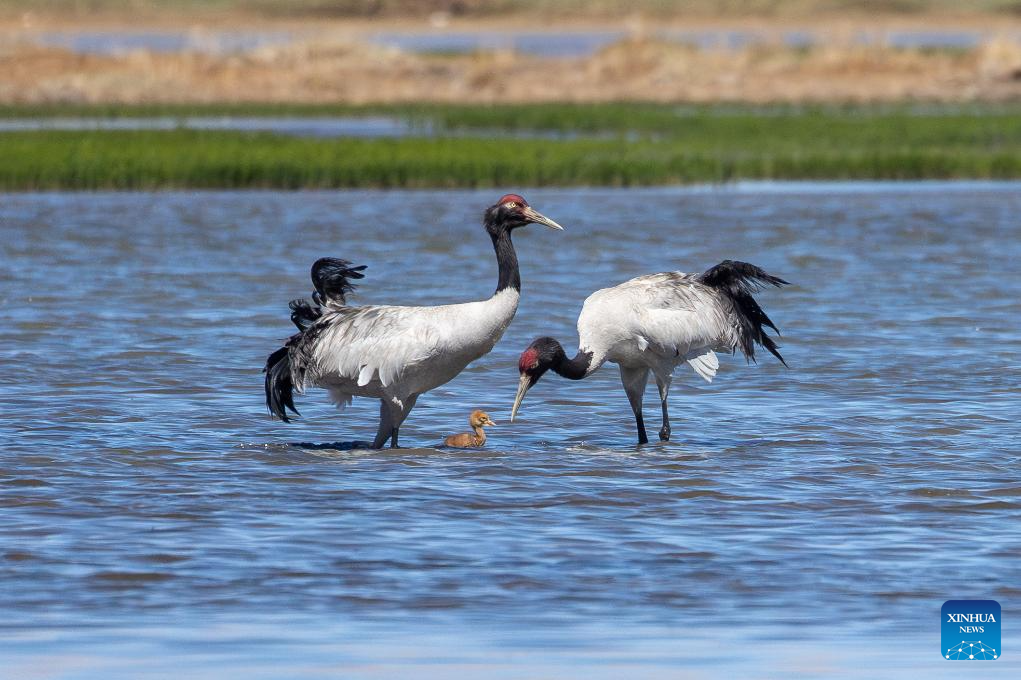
x,y
393,353
656,322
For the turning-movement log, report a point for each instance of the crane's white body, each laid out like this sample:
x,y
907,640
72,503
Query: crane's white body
x,y
396,353
656,322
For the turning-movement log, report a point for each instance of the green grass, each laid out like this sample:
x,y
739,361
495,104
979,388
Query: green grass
x,y
613,144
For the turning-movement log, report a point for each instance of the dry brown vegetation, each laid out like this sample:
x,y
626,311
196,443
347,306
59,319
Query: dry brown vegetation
x,y
341,70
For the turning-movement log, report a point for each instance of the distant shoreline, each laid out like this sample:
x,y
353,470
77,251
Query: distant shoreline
x,y
553,145
337,70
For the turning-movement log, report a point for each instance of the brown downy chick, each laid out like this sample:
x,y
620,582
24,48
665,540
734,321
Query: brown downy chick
x,y
468,440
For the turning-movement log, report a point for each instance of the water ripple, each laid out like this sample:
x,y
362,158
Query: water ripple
x,y
144,487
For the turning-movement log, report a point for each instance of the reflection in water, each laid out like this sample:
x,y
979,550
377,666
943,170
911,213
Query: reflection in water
x,y
800,517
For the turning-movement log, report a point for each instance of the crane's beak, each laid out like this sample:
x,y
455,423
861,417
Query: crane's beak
x,y
523,387
532,215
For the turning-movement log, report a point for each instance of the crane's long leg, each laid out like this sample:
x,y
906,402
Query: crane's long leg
x,y
664,390
634,381
399,413
385,425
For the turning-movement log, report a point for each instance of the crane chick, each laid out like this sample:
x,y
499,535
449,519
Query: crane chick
x,y
472,440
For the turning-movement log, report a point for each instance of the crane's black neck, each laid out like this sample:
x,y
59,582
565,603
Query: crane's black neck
x,y
507,260
574,369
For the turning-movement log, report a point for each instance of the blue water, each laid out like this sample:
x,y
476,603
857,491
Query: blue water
x,y
297,126
803,523
549,43
125,40
327,127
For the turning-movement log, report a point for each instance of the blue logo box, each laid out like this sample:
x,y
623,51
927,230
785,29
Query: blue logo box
x,y
970,630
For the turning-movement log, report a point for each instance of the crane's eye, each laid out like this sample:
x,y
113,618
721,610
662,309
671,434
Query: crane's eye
x,y
510,205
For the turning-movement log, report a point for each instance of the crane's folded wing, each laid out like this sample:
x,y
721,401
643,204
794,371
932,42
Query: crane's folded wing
x,y
365,343
669,312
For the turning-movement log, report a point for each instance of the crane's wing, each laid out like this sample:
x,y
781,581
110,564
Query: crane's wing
x,y
693,315
360,344
681,318
670,314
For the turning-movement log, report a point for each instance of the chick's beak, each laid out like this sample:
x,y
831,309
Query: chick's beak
x,y
532,215
523,386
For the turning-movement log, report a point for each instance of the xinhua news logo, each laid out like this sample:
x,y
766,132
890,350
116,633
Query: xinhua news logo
x,y
970,630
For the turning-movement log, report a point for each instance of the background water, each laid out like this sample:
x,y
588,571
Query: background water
x,y
548,43
803,522
327,127
297,126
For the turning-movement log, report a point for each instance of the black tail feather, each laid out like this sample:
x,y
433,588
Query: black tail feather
x,y
331,279
303,314
739,280
279,384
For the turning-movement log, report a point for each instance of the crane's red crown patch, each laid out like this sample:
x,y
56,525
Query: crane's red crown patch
x,y
529,359
512,198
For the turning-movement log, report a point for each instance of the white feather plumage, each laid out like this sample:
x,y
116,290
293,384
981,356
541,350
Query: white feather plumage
x,y
657,322
393,352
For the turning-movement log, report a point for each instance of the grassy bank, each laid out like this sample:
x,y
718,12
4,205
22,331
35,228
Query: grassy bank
x,y
606,145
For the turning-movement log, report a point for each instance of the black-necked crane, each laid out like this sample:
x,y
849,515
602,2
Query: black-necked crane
x,y
655,323
393,353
